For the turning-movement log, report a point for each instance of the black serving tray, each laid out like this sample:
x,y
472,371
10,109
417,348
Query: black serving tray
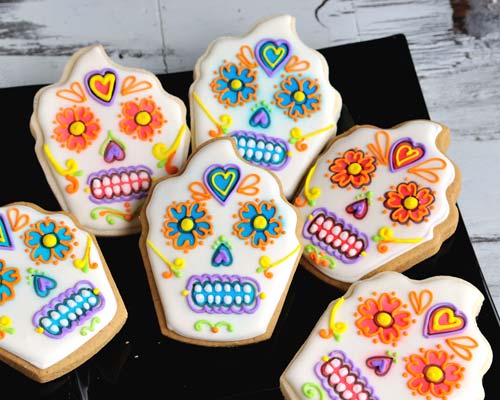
x,y
379,86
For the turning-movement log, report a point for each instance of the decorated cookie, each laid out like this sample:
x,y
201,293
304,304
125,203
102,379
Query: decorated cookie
x,y
270,93
391,337
220,246
103,134
58,302
378,199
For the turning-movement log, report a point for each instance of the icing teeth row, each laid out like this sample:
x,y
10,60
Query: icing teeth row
x,y
222,294
335,236
262,150
120,184
340,377
71,308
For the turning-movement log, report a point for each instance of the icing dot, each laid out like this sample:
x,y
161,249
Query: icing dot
x,y
434,374
354,168
143,118
259,222
383,319
49,240
410,203
77,128
299,96
187,224
236,84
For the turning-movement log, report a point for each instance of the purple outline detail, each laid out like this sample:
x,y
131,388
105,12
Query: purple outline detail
x,y
118,171
278,44
6,234
456,311
355,370
101,72
267,139
225,168
414,144
61,298
330,250
233,309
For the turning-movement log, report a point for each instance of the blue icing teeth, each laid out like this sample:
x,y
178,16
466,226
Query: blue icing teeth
x,y
69,309
223,294
262,150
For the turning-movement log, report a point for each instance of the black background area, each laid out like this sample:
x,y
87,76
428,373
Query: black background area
x,y
378,83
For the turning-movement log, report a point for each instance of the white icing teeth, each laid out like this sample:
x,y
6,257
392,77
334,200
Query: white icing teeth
x,y
261,149
120,184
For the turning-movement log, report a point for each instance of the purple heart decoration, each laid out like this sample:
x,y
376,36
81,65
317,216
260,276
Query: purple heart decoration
x,y
222,256
43,285
113,152
272,54
380,364
358,209
260,118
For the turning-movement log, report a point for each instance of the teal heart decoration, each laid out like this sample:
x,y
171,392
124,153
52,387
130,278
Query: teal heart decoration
x,y
221,180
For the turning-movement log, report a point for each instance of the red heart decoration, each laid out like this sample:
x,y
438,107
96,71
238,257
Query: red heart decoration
x,y
405,152
443,319
380,364
358,209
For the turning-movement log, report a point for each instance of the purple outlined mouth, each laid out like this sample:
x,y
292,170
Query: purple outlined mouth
x,y
120,184
262,150
335,236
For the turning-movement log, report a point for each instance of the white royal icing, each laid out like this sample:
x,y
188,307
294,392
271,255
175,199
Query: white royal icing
x,y
33,290
153,126
304,64
337,199
391,362
238,318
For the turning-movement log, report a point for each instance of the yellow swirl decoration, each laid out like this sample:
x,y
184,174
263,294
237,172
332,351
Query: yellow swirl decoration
x,y
315,192
71,164
335,329
162,152
386,235
224,122
84,263
174,268
266,264
297,138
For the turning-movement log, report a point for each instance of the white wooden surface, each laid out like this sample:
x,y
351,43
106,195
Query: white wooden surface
x,y
459,71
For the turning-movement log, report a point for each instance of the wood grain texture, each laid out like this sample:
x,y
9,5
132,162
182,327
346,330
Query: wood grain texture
x,y
456,52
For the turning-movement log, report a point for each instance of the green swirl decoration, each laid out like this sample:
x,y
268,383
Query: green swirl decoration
x,y
311,391
198,325
319,257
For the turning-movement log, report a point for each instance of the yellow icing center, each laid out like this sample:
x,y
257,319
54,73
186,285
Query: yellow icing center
x,y
143,118
384,319
49,240
5,321
354,168
260,222
299,96
434,374
187,224
410,203
236,84
77,128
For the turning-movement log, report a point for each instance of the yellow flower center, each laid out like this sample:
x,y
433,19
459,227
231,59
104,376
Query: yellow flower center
x,y
77,128
410,203
299,96
187,224
384,319
434,374
5,321
49,240
143,118
260,222
354,168
236,84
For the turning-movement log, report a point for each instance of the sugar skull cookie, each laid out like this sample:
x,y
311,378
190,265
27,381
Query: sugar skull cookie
x,y
103,134
378,199
270,93
220,246
391,337
58,302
